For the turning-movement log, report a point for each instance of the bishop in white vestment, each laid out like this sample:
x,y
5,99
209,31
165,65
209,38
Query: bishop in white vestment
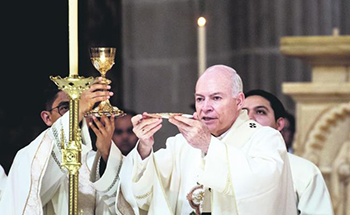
x,y
221,162
247,172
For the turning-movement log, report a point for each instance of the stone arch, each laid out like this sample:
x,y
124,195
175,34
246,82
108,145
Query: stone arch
x,y
319,133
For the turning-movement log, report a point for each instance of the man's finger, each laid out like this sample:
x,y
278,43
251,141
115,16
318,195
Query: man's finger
x,y
182,122
94,87
111,120
98,123
135,120
95,130
151,122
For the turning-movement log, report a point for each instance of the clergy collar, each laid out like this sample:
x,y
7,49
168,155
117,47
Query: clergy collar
x,y
224,134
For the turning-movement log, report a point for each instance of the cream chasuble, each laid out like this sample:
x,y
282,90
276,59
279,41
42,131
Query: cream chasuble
x,y
247,172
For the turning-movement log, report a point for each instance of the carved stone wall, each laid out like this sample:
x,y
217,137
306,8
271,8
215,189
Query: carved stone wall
x,y
323,110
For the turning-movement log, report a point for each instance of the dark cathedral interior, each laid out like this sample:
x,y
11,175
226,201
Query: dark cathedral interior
x,y
156,63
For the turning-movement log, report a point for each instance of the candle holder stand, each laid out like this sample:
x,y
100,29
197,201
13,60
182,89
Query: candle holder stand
x,y
71,152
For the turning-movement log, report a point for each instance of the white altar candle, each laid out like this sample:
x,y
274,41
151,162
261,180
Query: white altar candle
x,y
201,45
73,37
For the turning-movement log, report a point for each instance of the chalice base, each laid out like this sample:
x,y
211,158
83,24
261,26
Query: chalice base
x,y
105,108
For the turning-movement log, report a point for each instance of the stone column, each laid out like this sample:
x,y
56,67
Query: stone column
x,y
323,108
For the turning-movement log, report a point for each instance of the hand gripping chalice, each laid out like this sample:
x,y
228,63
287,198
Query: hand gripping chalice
x,y
103,59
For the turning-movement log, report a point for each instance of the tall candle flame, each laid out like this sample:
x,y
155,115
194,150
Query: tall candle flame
x,y
201,21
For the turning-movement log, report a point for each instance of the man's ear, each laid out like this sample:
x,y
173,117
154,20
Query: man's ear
x,y
46,117
280,124
240,100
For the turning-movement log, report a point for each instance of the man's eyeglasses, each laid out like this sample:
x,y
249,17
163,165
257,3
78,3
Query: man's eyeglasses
x,y
62,108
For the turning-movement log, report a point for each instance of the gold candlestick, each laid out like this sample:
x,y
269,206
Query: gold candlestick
x,y
103,60
71,152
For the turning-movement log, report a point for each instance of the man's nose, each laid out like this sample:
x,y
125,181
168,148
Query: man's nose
x,y
251,115
125,135
207,105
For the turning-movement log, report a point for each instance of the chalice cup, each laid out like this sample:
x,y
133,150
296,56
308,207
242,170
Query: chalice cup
x,y
103,60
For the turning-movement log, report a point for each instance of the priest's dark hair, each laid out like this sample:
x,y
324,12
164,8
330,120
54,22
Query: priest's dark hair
x,y
275,103
49,94
290,117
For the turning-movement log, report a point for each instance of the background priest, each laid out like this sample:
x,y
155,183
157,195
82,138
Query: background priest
x,y
36,182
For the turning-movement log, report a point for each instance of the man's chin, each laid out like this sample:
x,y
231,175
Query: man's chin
x,y
211,126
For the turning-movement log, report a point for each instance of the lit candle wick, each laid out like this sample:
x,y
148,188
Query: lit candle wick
x,y
201,21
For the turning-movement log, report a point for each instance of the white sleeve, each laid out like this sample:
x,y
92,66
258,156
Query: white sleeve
x,y
154,171
108,184
143,173
315,199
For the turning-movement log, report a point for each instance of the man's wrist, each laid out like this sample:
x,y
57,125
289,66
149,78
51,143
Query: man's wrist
x,y
102,166
144,151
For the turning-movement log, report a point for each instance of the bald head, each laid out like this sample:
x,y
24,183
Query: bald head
x,y
226,74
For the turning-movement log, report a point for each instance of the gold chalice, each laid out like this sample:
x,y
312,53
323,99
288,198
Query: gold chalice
x,y
103,60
